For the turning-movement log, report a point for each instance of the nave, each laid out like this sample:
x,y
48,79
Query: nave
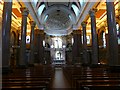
x,y
59,80
73,44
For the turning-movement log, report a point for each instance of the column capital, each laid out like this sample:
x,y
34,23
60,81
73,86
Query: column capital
x,y
83,24
38,31
41,27
32,23
41,31
77,32
24,11
92,12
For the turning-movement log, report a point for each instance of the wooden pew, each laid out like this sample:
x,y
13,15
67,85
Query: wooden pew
x,y
39,77
98,84
78,75
25,84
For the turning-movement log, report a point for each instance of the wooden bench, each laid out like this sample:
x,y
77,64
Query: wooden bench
x,y
38,78
98,84
78,77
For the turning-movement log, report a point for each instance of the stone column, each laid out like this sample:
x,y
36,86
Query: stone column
x,y
47,56
36,46
77,46
18,47
6,27
85,56
40,46
22,61
112,35
94,38
107,49
31,61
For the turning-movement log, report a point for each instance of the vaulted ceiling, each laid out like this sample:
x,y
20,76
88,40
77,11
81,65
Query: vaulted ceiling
x,y
58,18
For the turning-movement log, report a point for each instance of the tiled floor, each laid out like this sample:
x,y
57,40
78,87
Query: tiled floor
x,y
59,80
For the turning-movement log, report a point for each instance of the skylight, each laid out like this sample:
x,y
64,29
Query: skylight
x,y
40,9
76,10
81,2
35,2
46,17
70,17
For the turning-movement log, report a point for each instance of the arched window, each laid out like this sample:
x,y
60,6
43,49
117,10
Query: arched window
x,y
72,41
35,2
118,32
70,17
43,43
46,17
117,27
88,39
57,42
104,40
76,10
81,2
27,39
40,9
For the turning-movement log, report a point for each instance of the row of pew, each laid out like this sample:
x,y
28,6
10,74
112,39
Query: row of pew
x,y
91,78
33,78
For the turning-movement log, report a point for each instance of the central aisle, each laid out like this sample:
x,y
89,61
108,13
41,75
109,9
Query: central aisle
x,y
59,81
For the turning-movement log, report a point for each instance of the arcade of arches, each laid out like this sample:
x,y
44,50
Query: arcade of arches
x,y
56,39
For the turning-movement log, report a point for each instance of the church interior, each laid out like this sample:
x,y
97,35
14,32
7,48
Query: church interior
x,y
60,44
